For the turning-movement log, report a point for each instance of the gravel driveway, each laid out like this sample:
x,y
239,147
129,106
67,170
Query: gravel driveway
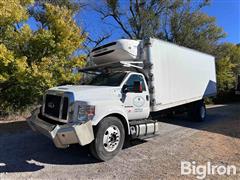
x,y
25,154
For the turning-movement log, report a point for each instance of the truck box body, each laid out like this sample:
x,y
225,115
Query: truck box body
x,y
180,75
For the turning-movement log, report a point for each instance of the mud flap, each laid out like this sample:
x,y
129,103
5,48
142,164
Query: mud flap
x,y
84,133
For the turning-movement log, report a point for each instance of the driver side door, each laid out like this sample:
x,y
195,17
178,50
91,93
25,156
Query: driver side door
x,y
136,104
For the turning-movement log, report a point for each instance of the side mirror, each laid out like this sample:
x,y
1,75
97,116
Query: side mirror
x,y
137,87
125,89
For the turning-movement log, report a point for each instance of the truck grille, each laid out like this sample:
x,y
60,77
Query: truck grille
x,y
56,106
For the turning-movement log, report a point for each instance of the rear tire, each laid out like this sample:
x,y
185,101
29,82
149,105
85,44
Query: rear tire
x,y
197,111
109,139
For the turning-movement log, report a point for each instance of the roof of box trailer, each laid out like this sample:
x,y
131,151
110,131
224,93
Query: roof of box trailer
x,y
167,42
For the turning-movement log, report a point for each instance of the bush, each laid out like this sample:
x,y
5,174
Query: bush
x,y
33,61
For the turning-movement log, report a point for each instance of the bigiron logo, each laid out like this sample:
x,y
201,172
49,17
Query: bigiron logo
x,y
202,171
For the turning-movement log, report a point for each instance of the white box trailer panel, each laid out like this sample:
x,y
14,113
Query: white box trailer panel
x,y
180,75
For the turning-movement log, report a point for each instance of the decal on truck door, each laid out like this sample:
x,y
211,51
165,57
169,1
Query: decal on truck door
x,y
138,101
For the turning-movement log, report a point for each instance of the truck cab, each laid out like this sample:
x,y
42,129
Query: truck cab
x,y
113,105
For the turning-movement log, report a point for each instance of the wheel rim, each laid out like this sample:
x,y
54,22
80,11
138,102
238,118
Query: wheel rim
x,y
202,112
111,138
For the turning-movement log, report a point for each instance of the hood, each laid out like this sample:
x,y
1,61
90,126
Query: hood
x,y
86,92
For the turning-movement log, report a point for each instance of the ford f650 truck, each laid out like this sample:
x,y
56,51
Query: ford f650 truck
x,y
129,83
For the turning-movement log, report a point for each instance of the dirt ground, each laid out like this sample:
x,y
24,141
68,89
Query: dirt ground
x,y
25,154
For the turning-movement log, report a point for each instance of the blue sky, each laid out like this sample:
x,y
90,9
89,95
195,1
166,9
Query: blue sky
x,y
226,12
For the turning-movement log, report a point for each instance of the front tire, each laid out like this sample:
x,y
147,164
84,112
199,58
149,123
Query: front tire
x,y
109,139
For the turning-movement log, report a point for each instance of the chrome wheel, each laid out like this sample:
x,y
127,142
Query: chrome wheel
x,y
111,138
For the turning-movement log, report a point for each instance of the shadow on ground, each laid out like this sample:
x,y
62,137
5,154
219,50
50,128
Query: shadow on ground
x,y
21,148
17,152
224,119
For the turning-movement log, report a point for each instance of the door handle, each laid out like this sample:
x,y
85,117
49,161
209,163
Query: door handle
x,y
147,97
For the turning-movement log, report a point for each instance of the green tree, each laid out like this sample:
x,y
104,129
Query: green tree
x,y
180,21
228,66
32,61
225,75
231,51
13,11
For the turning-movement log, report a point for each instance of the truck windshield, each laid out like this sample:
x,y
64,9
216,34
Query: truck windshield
x,y
109,79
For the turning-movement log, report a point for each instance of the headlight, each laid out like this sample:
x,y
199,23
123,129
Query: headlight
x,y
86,112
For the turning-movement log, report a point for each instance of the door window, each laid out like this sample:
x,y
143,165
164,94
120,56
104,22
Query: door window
x,y
132,79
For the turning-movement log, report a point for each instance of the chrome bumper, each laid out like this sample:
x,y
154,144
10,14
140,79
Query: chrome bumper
x,y
63,135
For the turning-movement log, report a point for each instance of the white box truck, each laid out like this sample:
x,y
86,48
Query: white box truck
x,y
129,83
